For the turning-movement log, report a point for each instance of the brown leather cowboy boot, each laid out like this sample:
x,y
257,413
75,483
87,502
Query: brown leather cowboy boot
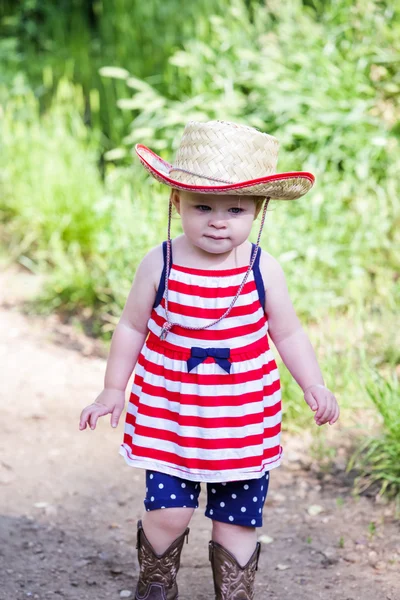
x,y
157,577
231,581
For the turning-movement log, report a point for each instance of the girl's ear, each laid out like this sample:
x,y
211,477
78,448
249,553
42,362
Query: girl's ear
x,y
176,200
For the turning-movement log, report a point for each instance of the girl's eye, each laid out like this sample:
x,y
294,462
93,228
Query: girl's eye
x,y
203,208
236,210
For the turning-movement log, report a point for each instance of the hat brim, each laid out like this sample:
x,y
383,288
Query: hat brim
x,y
280,186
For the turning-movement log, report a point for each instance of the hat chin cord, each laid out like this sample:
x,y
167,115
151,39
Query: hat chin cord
x,y
166,328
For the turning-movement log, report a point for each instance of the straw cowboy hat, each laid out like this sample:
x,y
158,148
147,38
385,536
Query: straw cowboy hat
x,y
219,157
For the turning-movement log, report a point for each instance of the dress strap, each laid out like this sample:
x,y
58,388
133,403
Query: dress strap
x,y
161,285
258,277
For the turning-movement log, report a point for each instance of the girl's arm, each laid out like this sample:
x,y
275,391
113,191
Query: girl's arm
x,y
127,342
293,344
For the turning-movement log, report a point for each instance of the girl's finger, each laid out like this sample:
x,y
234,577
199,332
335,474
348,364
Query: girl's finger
x,y
98,410
335,409
84,418
329,412
311,401
93,419
322,407
116,413
95,413
324,415
336,415
332,411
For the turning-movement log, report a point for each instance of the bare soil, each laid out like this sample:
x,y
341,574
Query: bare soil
x,y
69,504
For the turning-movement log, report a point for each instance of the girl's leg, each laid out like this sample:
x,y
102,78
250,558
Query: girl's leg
x,y
165,525
159,562
239,541
236,510
170,503
234,553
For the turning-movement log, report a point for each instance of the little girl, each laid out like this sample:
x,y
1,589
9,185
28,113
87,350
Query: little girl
x,y
206,402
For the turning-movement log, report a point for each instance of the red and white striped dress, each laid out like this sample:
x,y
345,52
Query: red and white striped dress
x,y
207,424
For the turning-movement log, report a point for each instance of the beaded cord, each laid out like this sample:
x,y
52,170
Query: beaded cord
x,y
166,328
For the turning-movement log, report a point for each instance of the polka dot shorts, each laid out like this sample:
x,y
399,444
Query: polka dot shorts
x,y
236,502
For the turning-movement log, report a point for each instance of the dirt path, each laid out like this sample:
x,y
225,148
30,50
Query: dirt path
x,y
69,504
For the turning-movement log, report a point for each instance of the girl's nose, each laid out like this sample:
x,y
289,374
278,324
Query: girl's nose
x,y
217,222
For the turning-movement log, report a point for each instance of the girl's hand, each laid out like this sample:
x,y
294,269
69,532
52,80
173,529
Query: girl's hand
x,y
321,400
109,401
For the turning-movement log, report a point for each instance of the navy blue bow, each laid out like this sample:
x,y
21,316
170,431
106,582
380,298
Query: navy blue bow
x,y
199,355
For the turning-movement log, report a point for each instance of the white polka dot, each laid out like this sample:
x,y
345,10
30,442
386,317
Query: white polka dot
x,y
152,499
214,491
246,487
151,475
253,521
147,489
223,483
262,487
161,485
191,496
173,496
255,499
222,504
163,507
243,509
263,498
211,511
259,510
267,476
184,506
148,510
183,485
234,496
230,518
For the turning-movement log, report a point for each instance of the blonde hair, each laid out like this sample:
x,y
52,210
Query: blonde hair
x,y
259,200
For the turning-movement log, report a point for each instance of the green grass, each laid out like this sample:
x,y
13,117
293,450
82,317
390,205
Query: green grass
x,y
377,458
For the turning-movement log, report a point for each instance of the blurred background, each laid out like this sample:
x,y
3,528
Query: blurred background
x,y
82,81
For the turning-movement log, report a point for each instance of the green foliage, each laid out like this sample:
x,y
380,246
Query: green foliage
x,y
378,457
57,39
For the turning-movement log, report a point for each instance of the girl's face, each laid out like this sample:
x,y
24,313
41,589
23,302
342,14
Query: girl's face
x,y
215,224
